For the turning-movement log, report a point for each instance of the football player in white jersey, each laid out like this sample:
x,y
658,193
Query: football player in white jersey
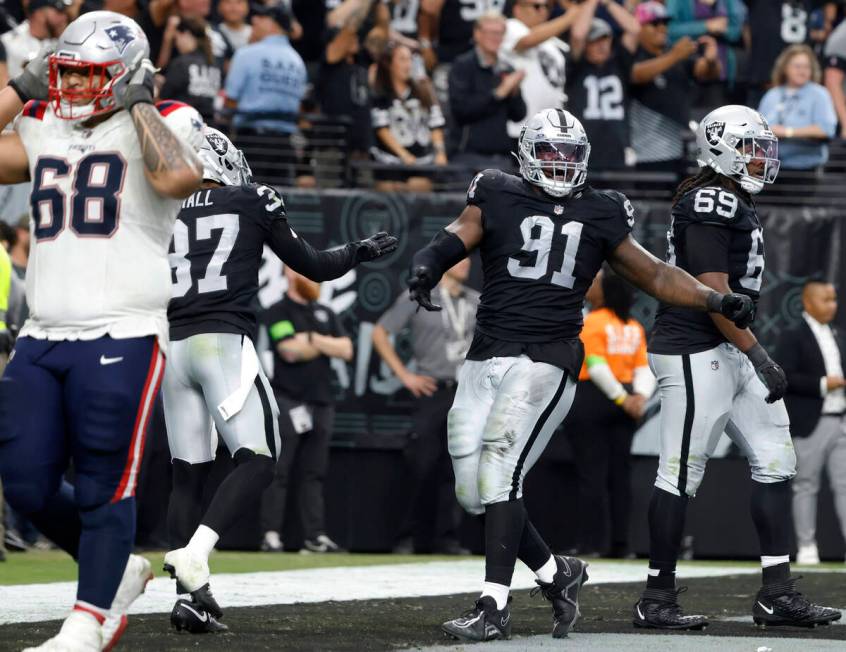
x,y
108,169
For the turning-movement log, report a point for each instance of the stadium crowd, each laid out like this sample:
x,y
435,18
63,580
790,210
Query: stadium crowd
x,y
400,93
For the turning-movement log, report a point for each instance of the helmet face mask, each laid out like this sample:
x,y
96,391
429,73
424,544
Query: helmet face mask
x,y
101,47
736,142
553,152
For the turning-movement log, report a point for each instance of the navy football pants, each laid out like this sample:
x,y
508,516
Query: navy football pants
x,y
88,402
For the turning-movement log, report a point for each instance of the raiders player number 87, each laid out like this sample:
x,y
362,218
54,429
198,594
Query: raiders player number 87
x,y
542,238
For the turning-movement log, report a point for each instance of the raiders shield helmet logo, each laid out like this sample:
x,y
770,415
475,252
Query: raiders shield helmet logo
x,y
217,143
714,131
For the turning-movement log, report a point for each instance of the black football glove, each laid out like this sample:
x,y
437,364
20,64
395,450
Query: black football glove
x,y
769,372
375,246
135,86
34,82
738,308
420,288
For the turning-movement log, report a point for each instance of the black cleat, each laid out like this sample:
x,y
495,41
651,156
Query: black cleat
x,y
193,618
202,597
481,623
779,605
659,609
563,593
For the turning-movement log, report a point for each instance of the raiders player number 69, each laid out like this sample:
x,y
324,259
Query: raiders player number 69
x,y
542,238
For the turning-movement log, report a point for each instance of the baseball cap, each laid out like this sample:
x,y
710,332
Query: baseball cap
x,y
598,29
651,12
279,11
60,5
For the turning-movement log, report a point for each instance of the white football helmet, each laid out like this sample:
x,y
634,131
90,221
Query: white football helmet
x,y
223,162
553,152
102,46
736,142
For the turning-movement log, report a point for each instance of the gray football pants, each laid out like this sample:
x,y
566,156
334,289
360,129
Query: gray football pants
x,y
704,394
504,413
214,384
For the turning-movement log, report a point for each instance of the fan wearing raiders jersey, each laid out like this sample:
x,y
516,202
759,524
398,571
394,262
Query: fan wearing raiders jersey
x,y
213,379
542,237
714,376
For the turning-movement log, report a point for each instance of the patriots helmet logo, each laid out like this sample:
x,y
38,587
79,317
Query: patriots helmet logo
x,y
217,143
121,36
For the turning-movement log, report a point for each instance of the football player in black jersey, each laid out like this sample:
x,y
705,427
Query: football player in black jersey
x,y
213,380
542,237
714,376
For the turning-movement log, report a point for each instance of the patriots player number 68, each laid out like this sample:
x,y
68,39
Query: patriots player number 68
x,y
95,203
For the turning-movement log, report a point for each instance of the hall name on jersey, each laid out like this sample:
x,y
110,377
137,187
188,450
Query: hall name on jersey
x,y
198,199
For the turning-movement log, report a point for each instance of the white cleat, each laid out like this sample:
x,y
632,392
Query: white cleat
x,y
80,632
808,555
191,573
135,577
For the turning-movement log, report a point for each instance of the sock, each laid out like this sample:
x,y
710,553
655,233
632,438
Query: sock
x,y
546,573
108,533
666,524
533,550
771,504
59,520
243,486
186,501
498,592
504,524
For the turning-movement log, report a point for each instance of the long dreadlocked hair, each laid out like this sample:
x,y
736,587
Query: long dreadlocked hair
x,y
707,176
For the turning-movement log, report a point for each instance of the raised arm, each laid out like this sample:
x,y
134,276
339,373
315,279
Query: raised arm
x,y
546,30
673,285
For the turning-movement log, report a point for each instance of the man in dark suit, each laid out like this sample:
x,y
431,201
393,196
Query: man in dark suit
x,y
812,356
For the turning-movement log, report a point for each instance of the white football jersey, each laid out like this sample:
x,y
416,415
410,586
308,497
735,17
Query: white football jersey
x,y
98,260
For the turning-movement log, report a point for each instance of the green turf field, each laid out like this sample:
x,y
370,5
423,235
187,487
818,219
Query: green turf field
x,y
37,566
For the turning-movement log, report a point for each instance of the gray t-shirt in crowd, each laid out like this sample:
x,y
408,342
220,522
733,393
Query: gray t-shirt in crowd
x,y
439,340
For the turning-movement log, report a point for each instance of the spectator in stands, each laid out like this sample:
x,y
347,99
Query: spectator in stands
x,y
46,21
305,336
264,87
812,356
721,19
532,45
598,82
408,123
439,341
662,81
20,248
798,107
342,87
194,10
484,95
835,73
233,22
193,76
614,384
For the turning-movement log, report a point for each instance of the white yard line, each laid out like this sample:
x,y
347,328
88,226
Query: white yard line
x,y
35,602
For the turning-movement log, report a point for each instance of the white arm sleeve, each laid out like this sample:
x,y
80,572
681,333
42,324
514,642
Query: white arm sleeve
x,y
603,378
643,382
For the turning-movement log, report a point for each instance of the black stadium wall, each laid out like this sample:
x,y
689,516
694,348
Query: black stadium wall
x,y
365,481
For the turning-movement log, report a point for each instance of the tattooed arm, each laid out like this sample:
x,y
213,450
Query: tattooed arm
x,y
169,164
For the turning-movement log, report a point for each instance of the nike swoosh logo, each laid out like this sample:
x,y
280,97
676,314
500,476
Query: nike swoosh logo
x,y
769,611
639,613
104,360
203,617
504,621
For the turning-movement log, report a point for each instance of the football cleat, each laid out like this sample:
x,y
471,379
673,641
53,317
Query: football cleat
x,y
563,593
135,577
191,617
321,543
778,605
80,632
659,609
481,623
191,573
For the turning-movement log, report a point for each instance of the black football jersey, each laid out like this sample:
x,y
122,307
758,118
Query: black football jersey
x,y
215,256
712,229
539,256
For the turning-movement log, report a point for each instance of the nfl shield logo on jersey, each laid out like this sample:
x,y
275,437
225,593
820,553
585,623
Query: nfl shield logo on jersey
x,y
715,365
121,36
559,209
